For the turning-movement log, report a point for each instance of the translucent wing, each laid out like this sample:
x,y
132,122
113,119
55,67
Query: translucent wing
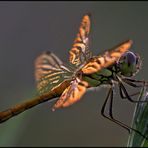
x,y
49,72
106,59
71,94
80,51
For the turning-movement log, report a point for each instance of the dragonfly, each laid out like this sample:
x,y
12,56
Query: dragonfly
x,y
84,71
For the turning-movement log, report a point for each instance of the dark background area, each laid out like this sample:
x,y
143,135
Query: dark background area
x,y
27,29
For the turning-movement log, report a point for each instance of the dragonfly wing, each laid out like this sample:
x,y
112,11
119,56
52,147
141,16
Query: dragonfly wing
x,y
71,94
49,72
108,58
80,51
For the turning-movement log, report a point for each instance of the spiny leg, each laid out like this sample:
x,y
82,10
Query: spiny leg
x,y
110,117
128,81
123,89
132,81
110,95
124,97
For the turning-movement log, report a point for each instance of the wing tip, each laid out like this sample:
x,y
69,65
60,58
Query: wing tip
x,y
130,41
126,44
47,52
87,14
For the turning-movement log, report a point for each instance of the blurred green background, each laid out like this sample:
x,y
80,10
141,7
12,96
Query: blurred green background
x,y
27,29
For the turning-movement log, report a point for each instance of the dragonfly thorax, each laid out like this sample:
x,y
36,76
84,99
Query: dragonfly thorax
x,y
103,76
128,65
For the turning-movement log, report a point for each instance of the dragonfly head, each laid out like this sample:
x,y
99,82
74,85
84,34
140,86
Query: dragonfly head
x,y
129,64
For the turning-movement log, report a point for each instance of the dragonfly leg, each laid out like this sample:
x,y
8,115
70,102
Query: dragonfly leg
x,y
132,82
124,97
123,89
110,116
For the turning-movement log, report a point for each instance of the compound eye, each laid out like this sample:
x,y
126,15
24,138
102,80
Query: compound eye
x,y
128,63
131,58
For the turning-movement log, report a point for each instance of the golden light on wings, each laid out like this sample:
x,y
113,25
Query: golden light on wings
x,y
108,58
71,94
80,50
49,72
